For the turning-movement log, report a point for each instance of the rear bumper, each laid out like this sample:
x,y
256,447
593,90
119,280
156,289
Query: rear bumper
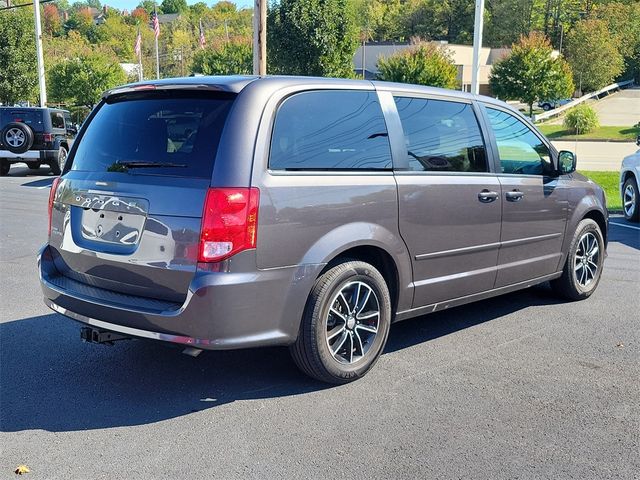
x,y
223,310
30,155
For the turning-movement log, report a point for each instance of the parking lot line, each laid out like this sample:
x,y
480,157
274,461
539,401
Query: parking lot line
x,y
623,225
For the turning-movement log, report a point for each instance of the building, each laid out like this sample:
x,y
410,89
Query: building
x,y
462,56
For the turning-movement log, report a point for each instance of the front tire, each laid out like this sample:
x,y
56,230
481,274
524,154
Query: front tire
x,y
631,200
583,267
33,165
345,324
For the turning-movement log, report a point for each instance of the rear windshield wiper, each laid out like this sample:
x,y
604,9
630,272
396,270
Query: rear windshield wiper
x,y
134,164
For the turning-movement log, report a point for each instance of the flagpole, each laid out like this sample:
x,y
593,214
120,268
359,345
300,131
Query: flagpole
x,y
156,34
140,75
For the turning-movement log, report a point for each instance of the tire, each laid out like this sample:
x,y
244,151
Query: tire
x,y
631,200
57,165
4,167
17,137
363,334
33,165
546,107
574,284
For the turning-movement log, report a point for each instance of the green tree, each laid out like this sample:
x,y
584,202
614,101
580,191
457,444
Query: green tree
x,y
82,80
594,55
623,22
174,6
149,5
231,58
531,73
18,77
422,64
312,37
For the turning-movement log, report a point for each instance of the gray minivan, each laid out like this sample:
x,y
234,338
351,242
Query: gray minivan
x,y
233,212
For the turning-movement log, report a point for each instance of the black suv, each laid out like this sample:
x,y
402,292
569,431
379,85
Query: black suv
x,y
35,136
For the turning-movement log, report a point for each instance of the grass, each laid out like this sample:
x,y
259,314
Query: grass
x,y
558,132
609,181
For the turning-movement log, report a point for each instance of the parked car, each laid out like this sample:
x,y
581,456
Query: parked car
x,y
35,136
308,212
629,175
547,105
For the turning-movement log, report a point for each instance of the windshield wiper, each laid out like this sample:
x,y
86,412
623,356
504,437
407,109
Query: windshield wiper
x,y
134,164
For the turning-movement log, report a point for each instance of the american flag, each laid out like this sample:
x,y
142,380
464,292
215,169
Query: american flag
x,y
156,23
202,41
137,48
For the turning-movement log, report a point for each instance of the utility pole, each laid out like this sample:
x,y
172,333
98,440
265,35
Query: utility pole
x,y
477,46
260,37
41,78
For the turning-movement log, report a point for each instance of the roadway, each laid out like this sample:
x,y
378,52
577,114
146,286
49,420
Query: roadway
x,y
520,386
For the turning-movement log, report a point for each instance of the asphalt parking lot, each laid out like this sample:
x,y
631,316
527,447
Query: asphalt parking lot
x,y
521,386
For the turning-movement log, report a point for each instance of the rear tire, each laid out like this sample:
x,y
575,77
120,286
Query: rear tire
x,y
57,165
33,165
345,324
631,200
4,167
583,267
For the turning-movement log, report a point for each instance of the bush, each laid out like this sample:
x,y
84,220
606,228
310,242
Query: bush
x,y
581,119
422,64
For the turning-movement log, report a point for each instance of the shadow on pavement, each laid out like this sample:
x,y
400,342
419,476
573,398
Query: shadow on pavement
x,y
627,233
52,381
22,171
43,182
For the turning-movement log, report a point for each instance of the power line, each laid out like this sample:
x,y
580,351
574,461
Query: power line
x,y
11,7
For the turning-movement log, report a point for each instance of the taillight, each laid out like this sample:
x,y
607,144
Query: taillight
x,y
229,222
52,194
47,137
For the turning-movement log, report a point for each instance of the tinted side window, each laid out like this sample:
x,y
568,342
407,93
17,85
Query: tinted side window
x,y
520,150
330,130
57,120
441,136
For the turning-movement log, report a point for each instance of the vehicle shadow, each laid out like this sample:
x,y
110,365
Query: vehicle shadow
x,y
52,381
619,232
23,171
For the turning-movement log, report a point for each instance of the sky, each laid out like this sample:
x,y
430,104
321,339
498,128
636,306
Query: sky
x,y
131,4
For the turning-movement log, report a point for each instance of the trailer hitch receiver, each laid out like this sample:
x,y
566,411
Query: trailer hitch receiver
x,y
94,335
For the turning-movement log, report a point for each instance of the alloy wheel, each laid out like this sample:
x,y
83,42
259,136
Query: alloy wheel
x,y
629,200
15,137
352,322
586,259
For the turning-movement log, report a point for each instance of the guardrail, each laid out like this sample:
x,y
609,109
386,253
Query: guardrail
x,y
577,101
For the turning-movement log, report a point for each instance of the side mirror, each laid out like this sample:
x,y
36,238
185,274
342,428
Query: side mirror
x,y
567,162
72,130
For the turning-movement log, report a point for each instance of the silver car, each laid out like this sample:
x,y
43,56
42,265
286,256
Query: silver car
x,y
234,212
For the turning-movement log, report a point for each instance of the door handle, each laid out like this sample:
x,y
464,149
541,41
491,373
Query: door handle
x,y
486,196
514,196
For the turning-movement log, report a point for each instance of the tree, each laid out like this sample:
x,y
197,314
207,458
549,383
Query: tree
x,y
624,24
141,16
52,25
174,6
594,55
422,64
312,37
531,73
18,78
82,80
149,6
231,58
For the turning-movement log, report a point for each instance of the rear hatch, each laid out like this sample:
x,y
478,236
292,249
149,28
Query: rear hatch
x,y
128,212
32,117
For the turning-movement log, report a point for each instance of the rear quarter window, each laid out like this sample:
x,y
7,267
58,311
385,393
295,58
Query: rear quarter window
x,y
330,130
179,133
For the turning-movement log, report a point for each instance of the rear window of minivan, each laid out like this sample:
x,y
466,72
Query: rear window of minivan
x,y
154,134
